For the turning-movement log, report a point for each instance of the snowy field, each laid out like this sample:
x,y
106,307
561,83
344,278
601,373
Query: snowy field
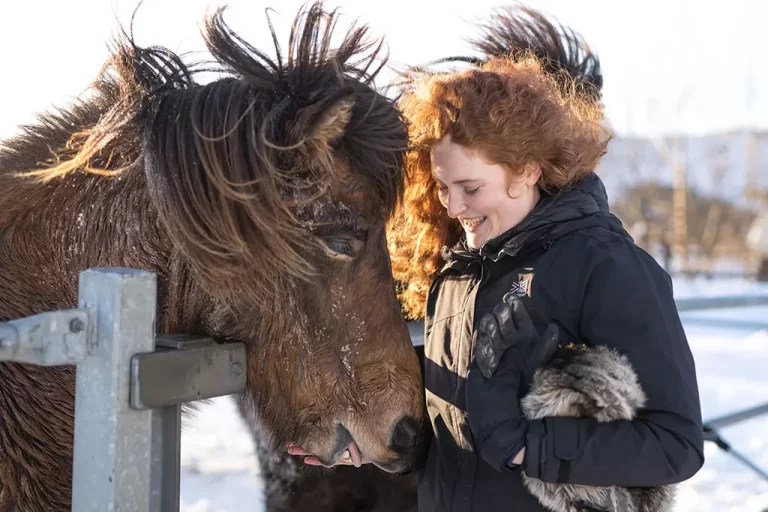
x,y
220,473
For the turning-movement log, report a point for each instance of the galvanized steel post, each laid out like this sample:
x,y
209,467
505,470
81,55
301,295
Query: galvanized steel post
x,y
113,442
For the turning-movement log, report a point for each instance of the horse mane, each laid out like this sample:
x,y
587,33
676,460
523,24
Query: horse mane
x,y
518,32
230,165
562,51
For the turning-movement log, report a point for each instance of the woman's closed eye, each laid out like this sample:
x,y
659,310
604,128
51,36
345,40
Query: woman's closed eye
x,y
471,191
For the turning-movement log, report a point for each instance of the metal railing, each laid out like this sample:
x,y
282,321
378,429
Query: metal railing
x,y
130,385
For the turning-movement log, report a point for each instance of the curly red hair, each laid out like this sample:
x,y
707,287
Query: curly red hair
x,y
510,111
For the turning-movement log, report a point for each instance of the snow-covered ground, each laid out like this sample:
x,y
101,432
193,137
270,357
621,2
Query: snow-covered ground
x,y
220,473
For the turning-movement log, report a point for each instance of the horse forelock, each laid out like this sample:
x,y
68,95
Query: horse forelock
x,y
298,95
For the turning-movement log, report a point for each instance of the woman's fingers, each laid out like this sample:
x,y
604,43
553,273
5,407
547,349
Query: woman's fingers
x,y
311,460
295,450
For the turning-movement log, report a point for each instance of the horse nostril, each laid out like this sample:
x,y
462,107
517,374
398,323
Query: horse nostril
x,y
404,435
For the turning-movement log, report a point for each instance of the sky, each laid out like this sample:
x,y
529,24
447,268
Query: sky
x,y
670,66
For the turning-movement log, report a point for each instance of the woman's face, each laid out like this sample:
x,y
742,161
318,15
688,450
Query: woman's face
x,y
486,198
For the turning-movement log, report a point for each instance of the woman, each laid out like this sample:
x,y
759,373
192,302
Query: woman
x,y
509,249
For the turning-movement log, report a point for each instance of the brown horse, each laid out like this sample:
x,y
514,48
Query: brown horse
x,y
260,201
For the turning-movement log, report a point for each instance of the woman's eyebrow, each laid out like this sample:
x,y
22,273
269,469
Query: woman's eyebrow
x,y
459,182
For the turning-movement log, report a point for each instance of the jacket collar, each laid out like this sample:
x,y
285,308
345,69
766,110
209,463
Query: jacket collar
x,y
584,204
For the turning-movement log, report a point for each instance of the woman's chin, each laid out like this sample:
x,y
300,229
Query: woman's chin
x,y
475,240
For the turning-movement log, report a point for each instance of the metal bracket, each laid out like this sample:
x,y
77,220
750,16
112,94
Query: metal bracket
x,y
46,339
184,369
181,369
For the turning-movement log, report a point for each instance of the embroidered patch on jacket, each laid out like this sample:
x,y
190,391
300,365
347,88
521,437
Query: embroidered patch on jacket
x,y
523,285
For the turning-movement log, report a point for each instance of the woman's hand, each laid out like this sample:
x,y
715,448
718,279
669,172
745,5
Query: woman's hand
x,y
508,348
346,459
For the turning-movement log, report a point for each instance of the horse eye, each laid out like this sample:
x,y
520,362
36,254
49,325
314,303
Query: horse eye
x,y
340,246
343,247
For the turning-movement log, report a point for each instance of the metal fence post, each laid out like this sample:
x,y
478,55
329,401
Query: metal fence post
x,y
165,471
113,442
130,387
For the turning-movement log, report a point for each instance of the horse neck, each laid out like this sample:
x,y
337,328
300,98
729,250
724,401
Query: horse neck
x,y
54,231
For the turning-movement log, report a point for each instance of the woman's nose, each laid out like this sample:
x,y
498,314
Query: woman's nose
x,y
455,205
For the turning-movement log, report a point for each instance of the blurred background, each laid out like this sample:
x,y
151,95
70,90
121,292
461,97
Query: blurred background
x,y
687,171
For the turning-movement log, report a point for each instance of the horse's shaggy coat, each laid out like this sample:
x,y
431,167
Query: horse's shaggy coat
x,y
259,200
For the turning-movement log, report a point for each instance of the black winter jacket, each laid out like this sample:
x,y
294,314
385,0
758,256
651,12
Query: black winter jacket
x,y
572,263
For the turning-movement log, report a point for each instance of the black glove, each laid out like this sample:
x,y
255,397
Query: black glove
x,y
508,350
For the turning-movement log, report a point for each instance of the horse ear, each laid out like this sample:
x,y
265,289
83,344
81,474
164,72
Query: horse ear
x,y
326,124
332,122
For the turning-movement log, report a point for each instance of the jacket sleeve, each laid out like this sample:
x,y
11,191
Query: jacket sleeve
x,y
629,305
